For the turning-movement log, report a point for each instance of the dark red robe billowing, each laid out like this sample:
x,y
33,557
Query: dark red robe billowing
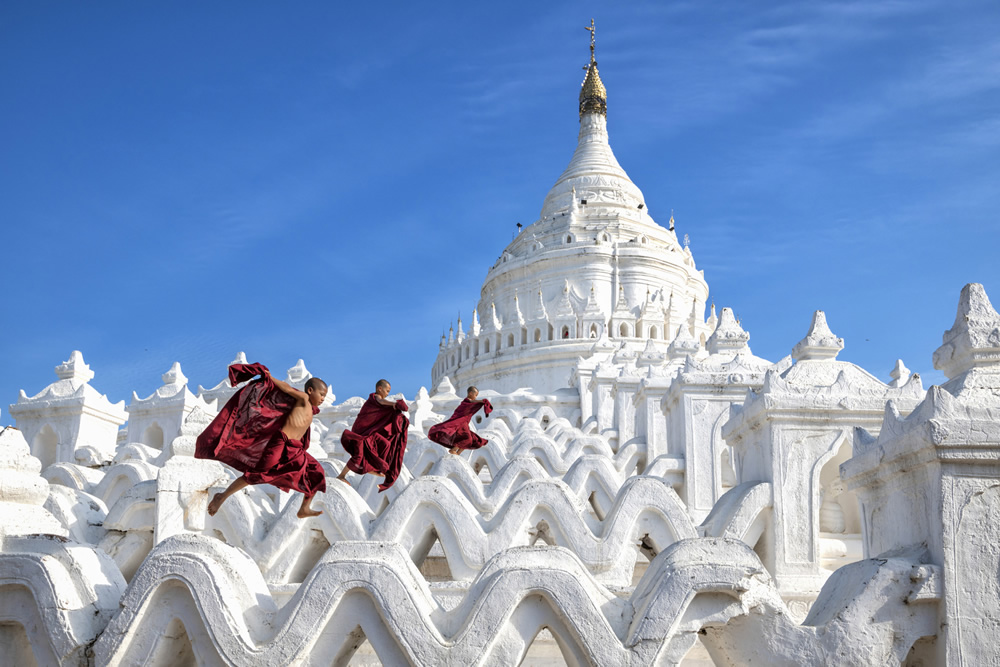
x,y
377,441
247,435
455,431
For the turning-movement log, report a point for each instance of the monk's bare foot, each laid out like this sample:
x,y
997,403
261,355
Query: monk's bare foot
x,y
216,503
455,450
307,512
344,481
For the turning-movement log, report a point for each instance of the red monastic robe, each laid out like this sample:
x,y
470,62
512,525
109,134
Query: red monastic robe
x,y
377,440
455,431
247,435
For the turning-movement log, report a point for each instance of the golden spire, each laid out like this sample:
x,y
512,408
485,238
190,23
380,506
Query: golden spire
x,y
593,96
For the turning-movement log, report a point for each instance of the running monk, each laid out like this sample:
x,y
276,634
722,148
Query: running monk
x,y
454,432
263,431
377,440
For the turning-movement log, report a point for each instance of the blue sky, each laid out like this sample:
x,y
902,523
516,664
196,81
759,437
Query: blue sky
x,y
331,181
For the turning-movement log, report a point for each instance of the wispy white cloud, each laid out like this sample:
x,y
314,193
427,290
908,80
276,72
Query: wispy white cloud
x,y
751,55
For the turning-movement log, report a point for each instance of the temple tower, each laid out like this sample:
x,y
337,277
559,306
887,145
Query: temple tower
x,y
594,264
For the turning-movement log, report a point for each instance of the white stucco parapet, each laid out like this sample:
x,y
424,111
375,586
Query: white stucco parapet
x,y
70,421
931,482
156,420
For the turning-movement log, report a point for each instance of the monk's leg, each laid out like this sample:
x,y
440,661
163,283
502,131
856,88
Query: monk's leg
x,y
306,509
238,484
343,475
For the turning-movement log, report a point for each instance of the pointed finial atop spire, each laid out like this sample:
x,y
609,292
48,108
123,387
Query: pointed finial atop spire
x,y
900,374
819,343
593,96
75,369
593,38
174,375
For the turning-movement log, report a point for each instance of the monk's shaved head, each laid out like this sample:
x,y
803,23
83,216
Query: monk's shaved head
x,y
315,384
471,389
380,384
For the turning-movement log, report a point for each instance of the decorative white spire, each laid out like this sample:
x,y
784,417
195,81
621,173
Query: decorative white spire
x,y
74,369
564,307
475,329
683,344
460,336
695,317
593,157
539,306
650,355
974,340
652,308
495,322
621,307
900,374
819,343
298,374
517,310
174,376
593,308
728,336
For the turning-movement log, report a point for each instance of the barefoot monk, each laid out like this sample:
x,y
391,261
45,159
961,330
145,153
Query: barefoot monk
x,y
377,440
455,433
263,431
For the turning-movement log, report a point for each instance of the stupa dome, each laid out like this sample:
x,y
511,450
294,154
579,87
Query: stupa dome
x,y
595,264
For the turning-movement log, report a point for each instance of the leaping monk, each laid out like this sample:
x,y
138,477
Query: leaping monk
x,y
454,432
263,431
377,441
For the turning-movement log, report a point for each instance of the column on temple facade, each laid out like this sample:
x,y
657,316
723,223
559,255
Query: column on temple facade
x,y
929,485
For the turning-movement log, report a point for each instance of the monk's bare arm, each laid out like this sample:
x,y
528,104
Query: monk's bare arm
x,y
384,401
300,397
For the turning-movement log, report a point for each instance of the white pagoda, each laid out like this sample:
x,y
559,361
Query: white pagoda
x,y
595,265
